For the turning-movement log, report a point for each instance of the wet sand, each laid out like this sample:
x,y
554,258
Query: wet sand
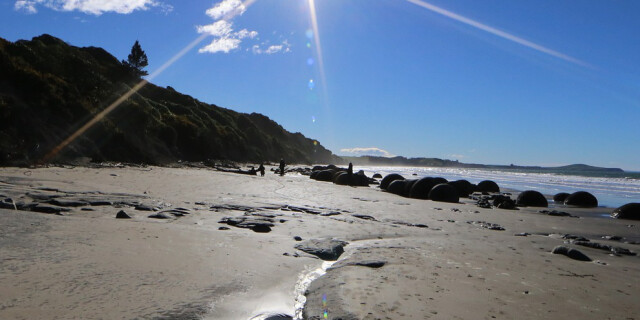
x,y
405,258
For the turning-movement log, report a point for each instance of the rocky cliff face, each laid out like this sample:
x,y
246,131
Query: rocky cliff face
x,y
49,89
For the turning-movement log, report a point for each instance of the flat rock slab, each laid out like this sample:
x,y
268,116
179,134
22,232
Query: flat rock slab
x,y
487,225
325,249
68,202
49,209
257,224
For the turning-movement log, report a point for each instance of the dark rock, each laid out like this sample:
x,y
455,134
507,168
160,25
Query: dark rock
x,y
408,184
571,253
364,217
178,212
386,181
325,249
574,237
122,215
67,202
396,187
614,250
488,186
581,199
498,199
160,215
297,238
343,179
362,263
487,225
444,193
464,187
49,209
8,203
630,211
531,198
324,175
257,224
314,175
101,203
421,188
556,213
560,197
507,204
377,176
223,228
142,207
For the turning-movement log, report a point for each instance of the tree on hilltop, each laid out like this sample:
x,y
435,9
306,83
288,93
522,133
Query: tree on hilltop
x,y
137,60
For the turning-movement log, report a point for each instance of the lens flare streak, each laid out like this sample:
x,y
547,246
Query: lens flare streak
x,y
498,33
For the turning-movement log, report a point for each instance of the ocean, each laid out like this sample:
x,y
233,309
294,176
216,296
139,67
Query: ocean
x,y
611,189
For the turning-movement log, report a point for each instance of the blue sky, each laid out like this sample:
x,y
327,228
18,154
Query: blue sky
x,y
496,81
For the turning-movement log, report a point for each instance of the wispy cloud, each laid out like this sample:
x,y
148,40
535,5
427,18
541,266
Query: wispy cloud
x,y
372,151
456,156
497,32
225,39
271,49
95,7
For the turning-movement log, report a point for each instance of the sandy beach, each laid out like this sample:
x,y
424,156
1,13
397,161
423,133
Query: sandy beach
x,y
403,259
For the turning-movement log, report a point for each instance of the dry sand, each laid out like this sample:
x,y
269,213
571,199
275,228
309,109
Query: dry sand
x,y
89,265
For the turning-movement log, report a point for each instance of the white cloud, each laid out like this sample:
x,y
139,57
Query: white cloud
x,y
271,49
225,39
457,156
95,7
372,151
26,6
244,33
220,28
221,45
227,9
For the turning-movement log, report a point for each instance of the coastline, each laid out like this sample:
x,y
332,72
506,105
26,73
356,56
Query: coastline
x,y
87,264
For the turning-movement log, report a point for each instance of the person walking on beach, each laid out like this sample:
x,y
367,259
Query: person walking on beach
x,y
281,166
261,169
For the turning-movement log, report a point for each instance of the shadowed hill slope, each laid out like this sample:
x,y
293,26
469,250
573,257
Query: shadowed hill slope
x,y
49,89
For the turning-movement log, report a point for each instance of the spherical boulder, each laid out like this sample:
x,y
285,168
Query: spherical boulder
x,y
420,189
444,193
386,181
531,198
343,179
377,176
463,187
581,199
396,187
488,186
408,184
336,173
560,197
630,211
314,175
324,175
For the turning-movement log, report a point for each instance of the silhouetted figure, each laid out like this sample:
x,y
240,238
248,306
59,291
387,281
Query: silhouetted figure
x,y
261,169
350,169
281,167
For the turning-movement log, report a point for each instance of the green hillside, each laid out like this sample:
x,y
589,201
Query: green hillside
x,y
49,89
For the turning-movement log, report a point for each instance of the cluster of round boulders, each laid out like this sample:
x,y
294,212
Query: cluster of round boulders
x,y
560,197
386,181
630,211
340,176
581,199
531,198
488,186
444,192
